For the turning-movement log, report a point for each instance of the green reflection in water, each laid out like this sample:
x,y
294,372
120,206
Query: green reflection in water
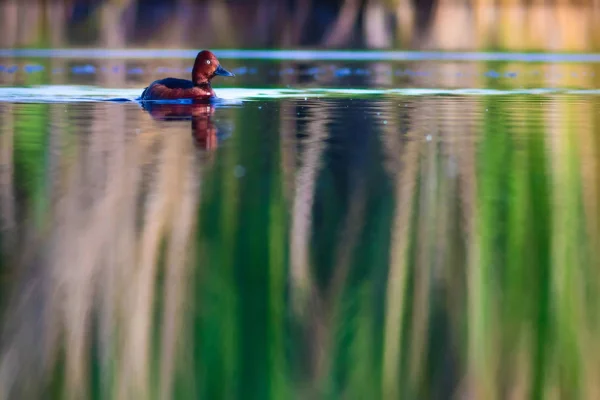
x,y
358,248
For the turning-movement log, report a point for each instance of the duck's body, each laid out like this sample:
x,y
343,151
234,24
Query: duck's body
x,y
175,89
205,68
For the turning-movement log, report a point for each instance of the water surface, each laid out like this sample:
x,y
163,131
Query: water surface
x,y
397,229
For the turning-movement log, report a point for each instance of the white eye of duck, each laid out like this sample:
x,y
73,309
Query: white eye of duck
x,y
208,61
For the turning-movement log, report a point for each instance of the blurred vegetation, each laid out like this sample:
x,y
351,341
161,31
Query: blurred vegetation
x,y
390,24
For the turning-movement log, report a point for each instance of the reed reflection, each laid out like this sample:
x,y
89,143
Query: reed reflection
x,y
90,224
416,248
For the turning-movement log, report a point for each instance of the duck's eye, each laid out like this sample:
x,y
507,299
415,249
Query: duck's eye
x,y
208,61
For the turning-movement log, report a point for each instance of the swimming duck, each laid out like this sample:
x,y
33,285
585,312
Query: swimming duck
x,y
205,68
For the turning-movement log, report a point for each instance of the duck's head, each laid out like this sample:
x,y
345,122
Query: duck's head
x,y
207,67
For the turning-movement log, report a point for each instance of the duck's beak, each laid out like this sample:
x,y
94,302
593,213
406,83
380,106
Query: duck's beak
x,y
220,71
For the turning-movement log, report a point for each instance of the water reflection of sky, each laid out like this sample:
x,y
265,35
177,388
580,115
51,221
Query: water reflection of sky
x,y
233,96
308,55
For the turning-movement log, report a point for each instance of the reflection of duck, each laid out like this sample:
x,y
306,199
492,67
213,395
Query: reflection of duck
x,y
205,68
204,130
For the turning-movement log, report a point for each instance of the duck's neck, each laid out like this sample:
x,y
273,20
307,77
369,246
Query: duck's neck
x,y
202,84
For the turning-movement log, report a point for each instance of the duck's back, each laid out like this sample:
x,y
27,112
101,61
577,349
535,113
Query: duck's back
x,y
175,83
175,88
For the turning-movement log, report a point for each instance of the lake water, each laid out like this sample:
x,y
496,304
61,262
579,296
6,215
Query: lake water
x,y
334,228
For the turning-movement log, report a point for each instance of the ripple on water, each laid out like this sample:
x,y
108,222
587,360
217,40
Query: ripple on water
x,y
67,93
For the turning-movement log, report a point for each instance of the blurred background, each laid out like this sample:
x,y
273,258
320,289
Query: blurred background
x,y
553,25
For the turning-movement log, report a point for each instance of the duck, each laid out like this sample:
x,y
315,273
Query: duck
x,y
206,67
